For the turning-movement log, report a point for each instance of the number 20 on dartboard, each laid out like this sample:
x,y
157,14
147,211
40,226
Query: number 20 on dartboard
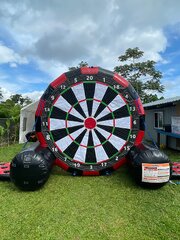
x,y
89,78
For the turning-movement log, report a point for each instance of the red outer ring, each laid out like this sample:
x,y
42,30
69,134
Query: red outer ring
x,y
61,164
40,108
139,137
59,81
90,173
123,82
139,106
41,138
121,162
89,70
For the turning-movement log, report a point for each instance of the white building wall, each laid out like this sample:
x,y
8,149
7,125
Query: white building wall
x,y
27,112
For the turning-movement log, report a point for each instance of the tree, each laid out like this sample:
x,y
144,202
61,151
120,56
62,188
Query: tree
x,y
19,99
81,64
8,124
10,110
141,74
7,109
1,95
2,131
15,121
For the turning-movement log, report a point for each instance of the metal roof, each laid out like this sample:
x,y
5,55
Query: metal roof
x,y
162,102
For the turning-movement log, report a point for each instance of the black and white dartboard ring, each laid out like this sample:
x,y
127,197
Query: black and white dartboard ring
x,y
90,118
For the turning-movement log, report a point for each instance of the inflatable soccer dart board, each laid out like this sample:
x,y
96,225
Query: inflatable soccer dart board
x,y
90,118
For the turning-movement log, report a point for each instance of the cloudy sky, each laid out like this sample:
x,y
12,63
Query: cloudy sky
x,y
39,40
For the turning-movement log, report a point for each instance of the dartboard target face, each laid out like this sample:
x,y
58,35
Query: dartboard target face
x,y
90,118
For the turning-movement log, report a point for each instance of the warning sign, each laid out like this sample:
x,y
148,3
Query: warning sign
x,y
155,173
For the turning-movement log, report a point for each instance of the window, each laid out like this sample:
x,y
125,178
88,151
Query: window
x,y
24,124
158,119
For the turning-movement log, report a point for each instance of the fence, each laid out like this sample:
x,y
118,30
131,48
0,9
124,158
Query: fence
x,y
9,131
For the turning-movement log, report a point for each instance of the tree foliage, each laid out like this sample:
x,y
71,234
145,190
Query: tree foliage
x,y
1,95
141,74
10,113
81,64
19,99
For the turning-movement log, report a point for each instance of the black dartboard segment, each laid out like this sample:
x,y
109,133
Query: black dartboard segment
x,y
90,119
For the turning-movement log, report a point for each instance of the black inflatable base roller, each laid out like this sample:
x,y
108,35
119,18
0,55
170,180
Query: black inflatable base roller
x,y
149,166
30,169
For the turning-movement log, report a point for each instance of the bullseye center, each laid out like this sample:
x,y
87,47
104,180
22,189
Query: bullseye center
x,y
90,123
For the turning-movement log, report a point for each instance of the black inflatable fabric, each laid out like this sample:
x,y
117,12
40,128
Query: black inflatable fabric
x,y
149,166
31,136
30,168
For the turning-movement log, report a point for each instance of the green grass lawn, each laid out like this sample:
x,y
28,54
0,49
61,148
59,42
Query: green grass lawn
x,y
112,207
